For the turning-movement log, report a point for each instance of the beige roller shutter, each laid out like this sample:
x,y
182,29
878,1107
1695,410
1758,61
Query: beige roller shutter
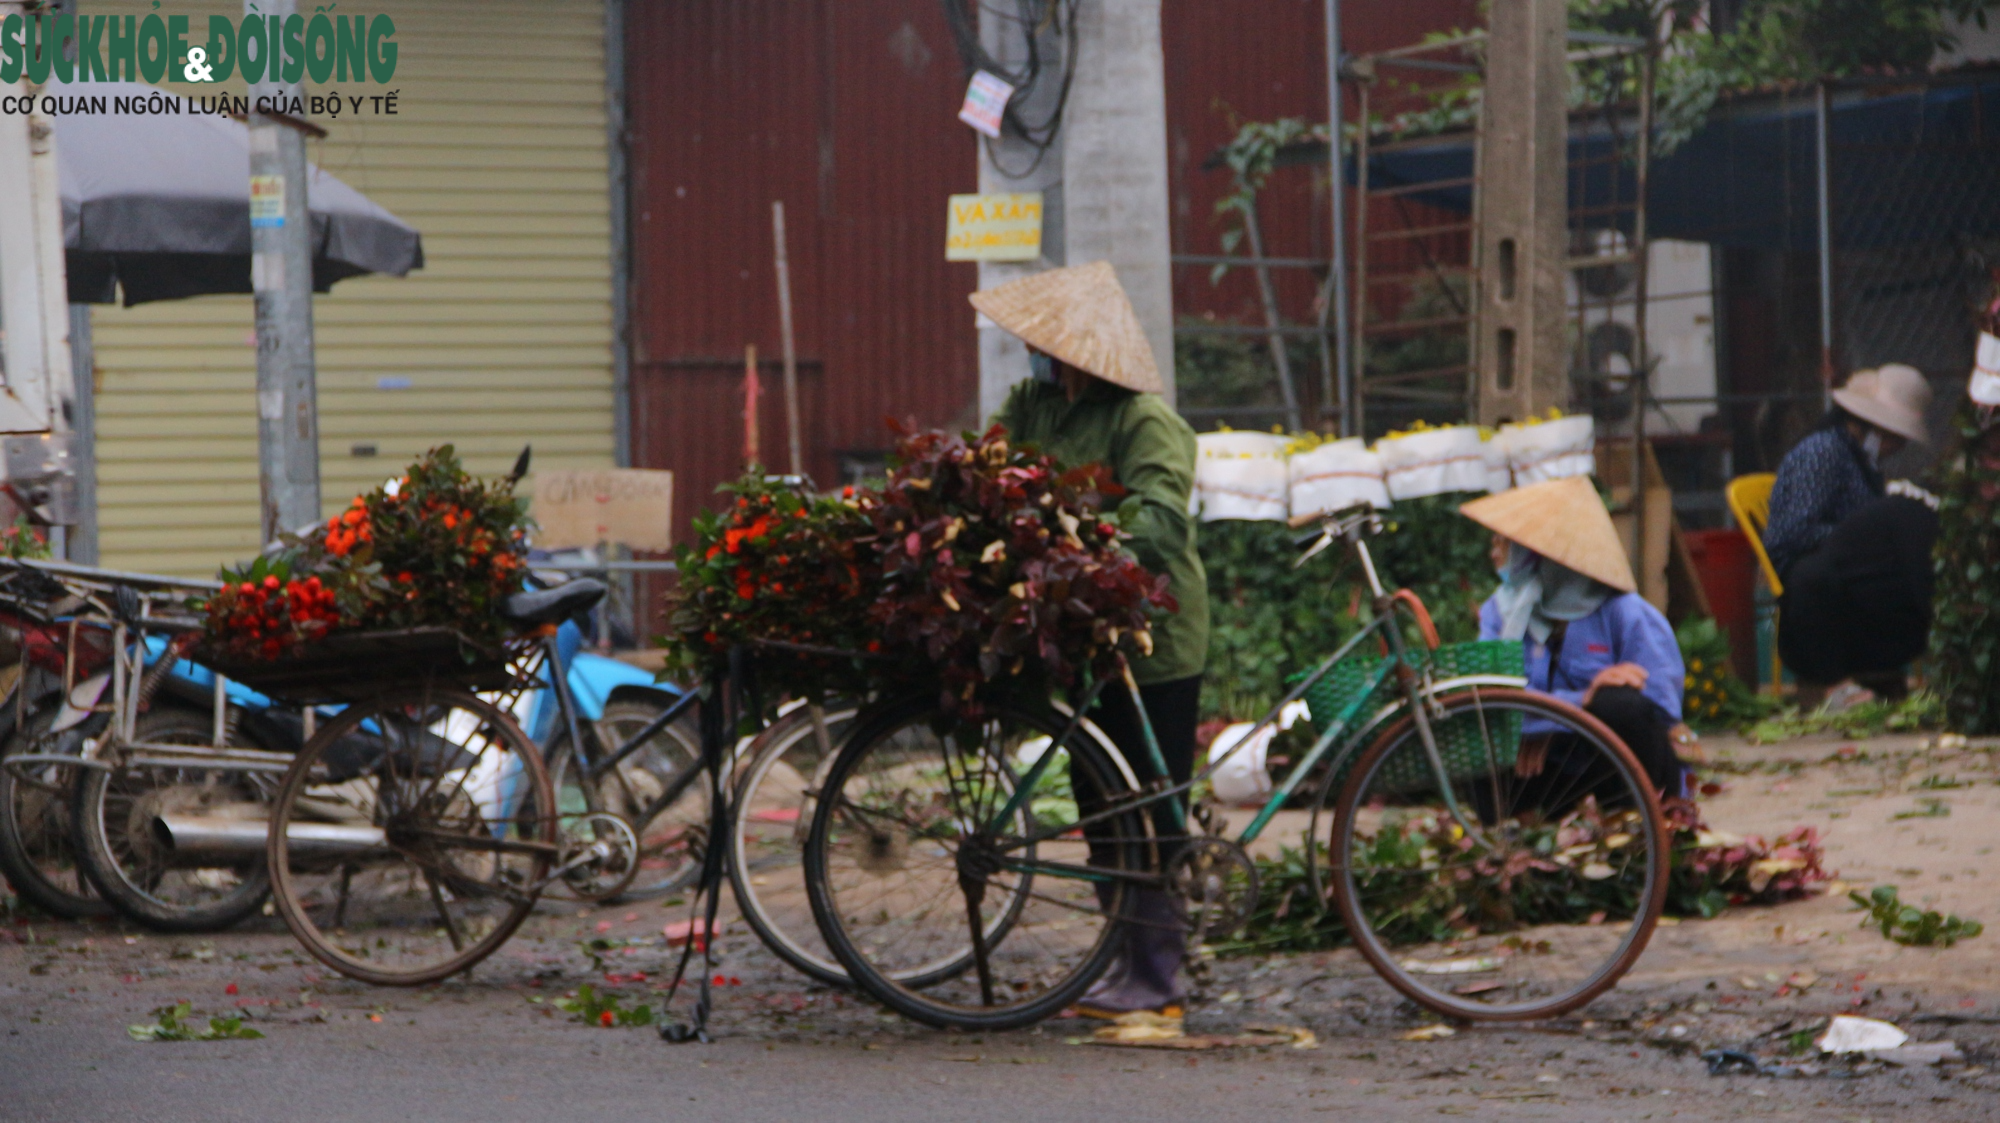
x,y
502,339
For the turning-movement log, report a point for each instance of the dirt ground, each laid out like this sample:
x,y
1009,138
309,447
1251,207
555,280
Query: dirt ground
x,y
493,1046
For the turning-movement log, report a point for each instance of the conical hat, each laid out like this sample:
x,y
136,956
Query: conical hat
x,y
1081,316
1562,520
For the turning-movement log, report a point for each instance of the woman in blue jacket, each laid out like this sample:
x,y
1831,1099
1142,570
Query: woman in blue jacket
x,y
1567,593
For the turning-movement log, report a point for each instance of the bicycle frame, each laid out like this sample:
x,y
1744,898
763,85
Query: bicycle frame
x,y
1416,691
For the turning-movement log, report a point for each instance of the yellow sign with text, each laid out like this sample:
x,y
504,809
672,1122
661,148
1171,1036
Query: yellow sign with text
x,y
994,228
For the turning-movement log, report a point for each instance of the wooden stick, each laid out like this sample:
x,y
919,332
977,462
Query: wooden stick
x,y
785,328
750,392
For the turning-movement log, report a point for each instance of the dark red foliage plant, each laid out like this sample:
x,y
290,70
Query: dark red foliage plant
x,y
998,564
978,563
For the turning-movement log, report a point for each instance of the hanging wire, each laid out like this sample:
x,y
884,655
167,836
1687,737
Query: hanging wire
x,y
1032,20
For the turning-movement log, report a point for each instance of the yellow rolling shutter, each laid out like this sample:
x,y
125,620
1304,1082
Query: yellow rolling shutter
x,y
502,339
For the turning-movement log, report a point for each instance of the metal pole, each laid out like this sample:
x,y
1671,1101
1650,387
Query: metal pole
x,y
82,538
785,327
1823,173
1352,418
1337,276
621,238
1641,361
1268,294
281,275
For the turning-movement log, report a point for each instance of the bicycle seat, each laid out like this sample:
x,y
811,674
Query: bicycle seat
x,y
552,606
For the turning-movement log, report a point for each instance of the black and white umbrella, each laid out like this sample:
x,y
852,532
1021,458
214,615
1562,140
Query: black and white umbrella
x,y
158,206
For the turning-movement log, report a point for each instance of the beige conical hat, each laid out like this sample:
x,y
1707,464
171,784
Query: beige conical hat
x,y
1081,316
1562,520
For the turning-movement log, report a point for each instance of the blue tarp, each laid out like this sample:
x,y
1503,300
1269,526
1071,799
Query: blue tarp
x,y
1914,167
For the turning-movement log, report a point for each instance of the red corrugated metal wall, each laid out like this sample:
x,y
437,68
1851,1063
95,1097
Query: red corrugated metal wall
x,y
1228,63
846,111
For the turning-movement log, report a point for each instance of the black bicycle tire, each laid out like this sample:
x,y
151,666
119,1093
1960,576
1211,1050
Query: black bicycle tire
x,y
294,783
21,872
93,850
747,901
1385,964
906,999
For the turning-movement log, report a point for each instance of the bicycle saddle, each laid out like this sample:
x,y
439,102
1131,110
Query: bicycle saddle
x,y
552,606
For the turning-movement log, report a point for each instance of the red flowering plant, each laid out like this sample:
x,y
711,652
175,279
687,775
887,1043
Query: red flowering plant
x,y
446,547
778,564
998,563
436,546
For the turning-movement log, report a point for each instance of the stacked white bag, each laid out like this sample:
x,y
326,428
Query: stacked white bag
x,y
1335,476
1549,450
1241,476
1433,461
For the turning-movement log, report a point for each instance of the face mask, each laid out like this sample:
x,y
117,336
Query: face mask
x,y
1041,368
1872,446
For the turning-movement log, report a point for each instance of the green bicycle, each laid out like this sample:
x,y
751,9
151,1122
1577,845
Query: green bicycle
x,y
1495,854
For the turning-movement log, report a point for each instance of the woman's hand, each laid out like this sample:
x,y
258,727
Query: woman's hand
x,y
1618,674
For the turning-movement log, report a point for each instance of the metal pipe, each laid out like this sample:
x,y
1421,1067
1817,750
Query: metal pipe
x,y
1352,420
621,226
1822,172
1641,364
1337,274
188,838
82,539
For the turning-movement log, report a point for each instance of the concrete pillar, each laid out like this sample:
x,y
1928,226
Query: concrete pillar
x,y
1523,213
1103,181
281,273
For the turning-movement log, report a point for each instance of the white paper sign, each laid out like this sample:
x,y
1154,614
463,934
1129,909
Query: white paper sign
x,y
1985,385
985,100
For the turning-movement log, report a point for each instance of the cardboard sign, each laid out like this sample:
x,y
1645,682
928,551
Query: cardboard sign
x,y
985,101
994,227
624,506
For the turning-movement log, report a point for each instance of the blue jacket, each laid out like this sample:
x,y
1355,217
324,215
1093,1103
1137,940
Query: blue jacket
x,y
1624,629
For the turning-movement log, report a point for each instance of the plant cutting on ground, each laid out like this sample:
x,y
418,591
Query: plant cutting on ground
x,y
1907,924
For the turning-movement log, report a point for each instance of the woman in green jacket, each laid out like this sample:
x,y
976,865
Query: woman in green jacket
x,y
1095,398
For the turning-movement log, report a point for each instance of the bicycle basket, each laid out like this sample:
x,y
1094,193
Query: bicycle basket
x,y
1468,749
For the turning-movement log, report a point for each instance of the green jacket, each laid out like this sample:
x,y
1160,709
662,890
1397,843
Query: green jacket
x,y
1150,451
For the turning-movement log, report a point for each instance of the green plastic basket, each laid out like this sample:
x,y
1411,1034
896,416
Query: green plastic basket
x,y
1467,750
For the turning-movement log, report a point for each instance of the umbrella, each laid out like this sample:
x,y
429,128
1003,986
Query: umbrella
x,y
159,205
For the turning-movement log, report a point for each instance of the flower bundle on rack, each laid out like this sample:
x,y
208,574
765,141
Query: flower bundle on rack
x,y
978,561
778,564
434,547
997,563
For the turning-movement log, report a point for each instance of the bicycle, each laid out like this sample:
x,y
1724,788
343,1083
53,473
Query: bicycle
x,y
1495,854
97,770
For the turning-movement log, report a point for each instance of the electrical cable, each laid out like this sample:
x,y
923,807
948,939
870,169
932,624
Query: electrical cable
x,y
1033,19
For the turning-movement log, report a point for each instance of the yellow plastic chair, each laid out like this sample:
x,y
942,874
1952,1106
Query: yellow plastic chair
x,y
1750,501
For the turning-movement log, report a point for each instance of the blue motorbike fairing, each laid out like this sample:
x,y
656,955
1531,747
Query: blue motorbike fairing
x,y
591,679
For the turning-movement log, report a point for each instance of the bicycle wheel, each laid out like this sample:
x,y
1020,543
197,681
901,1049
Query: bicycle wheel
x,y
411,837
941,913
1538,895
131,858
774,810
37,853
670,840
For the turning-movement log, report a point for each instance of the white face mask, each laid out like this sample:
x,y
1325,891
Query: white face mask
x,y
1872,445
